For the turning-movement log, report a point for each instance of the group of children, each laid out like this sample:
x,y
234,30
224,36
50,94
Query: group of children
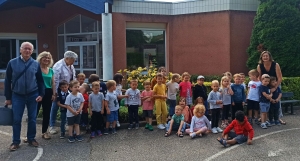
x,y
184,118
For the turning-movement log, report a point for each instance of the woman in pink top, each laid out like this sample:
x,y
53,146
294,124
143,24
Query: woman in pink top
x,y
185,88
147,101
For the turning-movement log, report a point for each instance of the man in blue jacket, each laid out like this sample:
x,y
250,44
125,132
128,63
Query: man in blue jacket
x,y
24,85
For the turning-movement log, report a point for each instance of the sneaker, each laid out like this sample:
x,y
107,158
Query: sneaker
x,y
192,135
147,126
110,126
263,125
137,126
99,133
33,143
272,123
268,123
52,130
62,135
118,124
256,122
78,138
105,132
83,125
130,126
161,126
114,131
219,130
93,134
150,128
250,121
71,139
214,130
277,122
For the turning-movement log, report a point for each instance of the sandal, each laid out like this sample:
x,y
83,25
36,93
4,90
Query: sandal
x,y
167,134
282,122
222,141
180,135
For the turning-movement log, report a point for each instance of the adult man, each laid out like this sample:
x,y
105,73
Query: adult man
x,y
24,85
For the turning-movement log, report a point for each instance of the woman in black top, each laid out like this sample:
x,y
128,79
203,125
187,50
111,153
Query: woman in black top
x,y
267,65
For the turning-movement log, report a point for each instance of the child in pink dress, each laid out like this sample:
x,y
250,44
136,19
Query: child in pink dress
x,y
185,88
147,101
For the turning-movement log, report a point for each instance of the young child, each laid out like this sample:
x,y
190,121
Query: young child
x,y
243,80
200,90
176,123
185,110
133,103
186,88
81,78
226,93
96,104
243,131
264,102
215,101
253,96
147,98
61,99
173,88
199,123
84,89
275,103
163,71
238,97
159,94
74,102
229,75
111,105
198,101
119,90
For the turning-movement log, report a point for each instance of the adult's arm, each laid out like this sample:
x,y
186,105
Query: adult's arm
x,y
40,81
7,82
259,71
53,86
278,74
57,72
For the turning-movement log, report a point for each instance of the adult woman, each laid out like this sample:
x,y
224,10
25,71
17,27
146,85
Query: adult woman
x,y
46,61
267,65
63,70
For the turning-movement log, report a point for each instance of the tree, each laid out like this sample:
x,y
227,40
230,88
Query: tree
x,y
277,27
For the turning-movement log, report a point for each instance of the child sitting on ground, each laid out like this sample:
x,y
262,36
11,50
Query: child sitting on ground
x,y
199,124
147,98
243,131
274,108
176,123
185,110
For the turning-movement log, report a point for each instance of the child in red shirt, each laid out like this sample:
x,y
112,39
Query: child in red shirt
x,y
84,89
243,131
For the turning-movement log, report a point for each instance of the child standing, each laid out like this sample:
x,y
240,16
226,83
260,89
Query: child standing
x,y
119,89
84,89
200,90
185,110
74,102
111,105
186,88
173,88
163,71
265,98
199,123
243,80
81,78
215,101
176,123
147,98
133,103
159,94
61,99
275,103
96,104
226,93
253,96
243,131
238,97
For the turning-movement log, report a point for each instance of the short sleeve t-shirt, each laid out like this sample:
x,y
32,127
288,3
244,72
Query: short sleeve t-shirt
x,y
74,101
119,89
112,99
253,93
148,103
173,87
265,89
160,90
276,93
48,78
178,119
96,101
226,97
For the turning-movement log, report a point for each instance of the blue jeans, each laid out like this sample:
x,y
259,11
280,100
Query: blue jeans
x,y
175,127
63,118
18,107
53,113
172,104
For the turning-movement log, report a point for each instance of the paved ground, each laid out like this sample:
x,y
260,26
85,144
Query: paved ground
x,y
275,143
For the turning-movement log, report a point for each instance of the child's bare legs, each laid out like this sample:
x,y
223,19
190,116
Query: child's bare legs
x,y
114,124
263,117
77,129
201,131
107,125
249,114
70,130
230,142
256,114
149,121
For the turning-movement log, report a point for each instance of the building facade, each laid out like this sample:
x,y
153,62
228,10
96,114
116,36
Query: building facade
x,y
198,36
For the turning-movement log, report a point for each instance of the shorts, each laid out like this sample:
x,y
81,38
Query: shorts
x,y
252,105
238,138
264,107
148,113
113,116
74,120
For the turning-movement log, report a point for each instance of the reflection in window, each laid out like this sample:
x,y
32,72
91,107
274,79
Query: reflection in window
x,y
145,48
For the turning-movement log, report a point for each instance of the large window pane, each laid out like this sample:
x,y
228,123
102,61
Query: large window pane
x,y
80,38
145,48
5,53
88,24
61,47
73,26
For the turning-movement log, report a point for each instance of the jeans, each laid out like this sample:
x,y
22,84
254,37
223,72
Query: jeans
x,y
133,113
63,119
172,104
273,112
46,104
18,107
53,113
175,126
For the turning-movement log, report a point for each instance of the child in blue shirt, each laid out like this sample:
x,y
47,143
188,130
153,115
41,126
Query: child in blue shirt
x,y
238,97
275,103
264,102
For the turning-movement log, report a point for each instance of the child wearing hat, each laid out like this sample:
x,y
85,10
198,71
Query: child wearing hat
x,y
200,90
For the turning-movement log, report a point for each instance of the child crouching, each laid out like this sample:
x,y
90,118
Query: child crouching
x,y
199,123
243,131
176,123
